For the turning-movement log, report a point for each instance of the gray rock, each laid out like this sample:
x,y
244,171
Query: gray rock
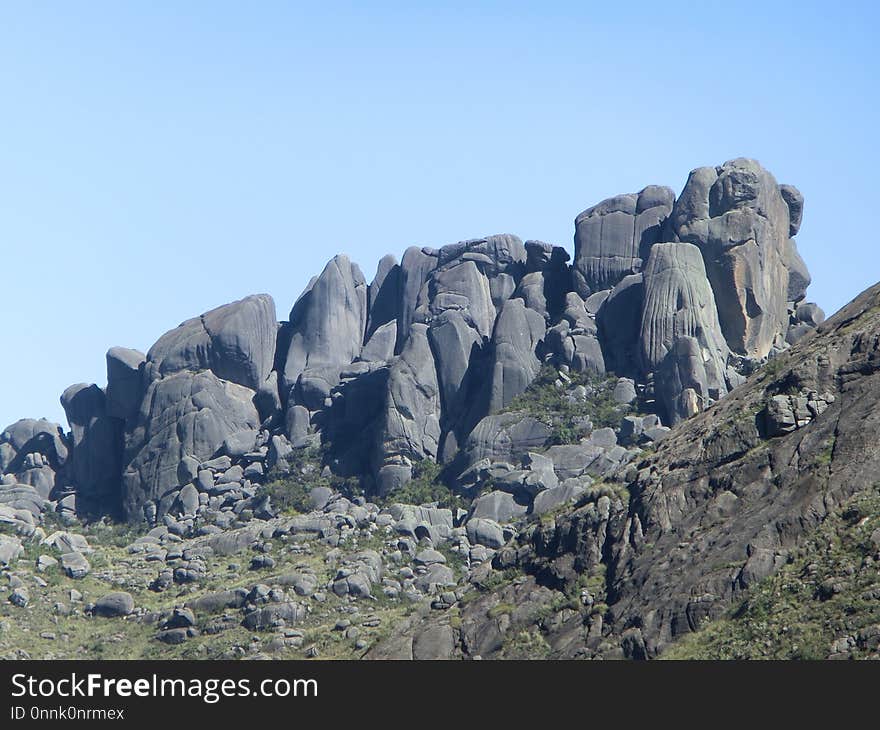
x,y
75,565
187,470
328,321
220,601
794,199
550,499
97,447
435,577
319,497
10,550
485,532
380,346
184,414
20,597
23,497
679,305
240,443
518,331
384,298
189,500
740,221
125,388
180,618
409,427
604,438
172,637
798,274
619,321
612,238
810,314
114,605
498,507
573,460
624,391
236,342
437,642
504,437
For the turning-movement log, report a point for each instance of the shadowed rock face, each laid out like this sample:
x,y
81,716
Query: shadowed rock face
x,y
680,296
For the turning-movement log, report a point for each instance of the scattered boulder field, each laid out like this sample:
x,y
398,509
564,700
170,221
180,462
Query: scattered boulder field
x,y
490,450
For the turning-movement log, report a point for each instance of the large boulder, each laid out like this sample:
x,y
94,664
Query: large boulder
x,y
28,436
612,238
679,308
236,342
383,296
518,331
184,414
409,427
328,322
741,222
619,322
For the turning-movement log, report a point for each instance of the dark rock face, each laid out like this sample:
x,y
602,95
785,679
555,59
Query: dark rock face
x,y
97,440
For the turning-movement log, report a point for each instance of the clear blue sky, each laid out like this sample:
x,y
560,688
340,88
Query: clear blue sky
x,y
160,158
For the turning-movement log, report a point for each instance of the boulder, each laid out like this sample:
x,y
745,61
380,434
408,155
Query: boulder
x,y
410,426
328,321
612,238
236,342
114,605
75,565
619,322
741,223
10,550
384,298
515,364
498,507
183,414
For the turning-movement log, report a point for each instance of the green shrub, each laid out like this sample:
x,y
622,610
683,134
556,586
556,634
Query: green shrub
x,y
548,403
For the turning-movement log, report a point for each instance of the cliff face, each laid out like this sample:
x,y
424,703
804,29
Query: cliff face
x,y
730,497
683,296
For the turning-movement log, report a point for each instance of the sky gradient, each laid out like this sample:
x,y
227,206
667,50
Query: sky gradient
x,y
158,159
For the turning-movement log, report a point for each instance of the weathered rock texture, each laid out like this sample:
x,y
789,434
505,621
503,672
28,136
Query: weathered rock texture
x,y
724,501
682,297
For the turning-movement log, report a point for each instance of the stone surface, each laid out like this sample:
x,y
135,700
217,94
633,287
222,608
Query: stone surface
x,y
740,221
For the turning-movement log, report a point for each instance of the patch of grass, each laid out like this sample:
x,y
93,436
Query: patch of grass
x,y
526,645
499,609
425,487
289,493
828,590
548,403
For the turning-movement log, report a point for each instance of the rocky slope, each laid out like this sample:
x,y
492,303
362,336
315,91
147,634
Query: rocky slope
x,y
780,476
469,456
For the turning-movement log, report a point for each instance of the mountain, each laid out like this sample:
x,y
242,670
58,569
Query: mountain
x,y
489,450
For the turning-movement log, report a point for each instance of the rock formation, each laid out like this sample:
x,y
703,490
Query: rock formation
x,y
681,297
